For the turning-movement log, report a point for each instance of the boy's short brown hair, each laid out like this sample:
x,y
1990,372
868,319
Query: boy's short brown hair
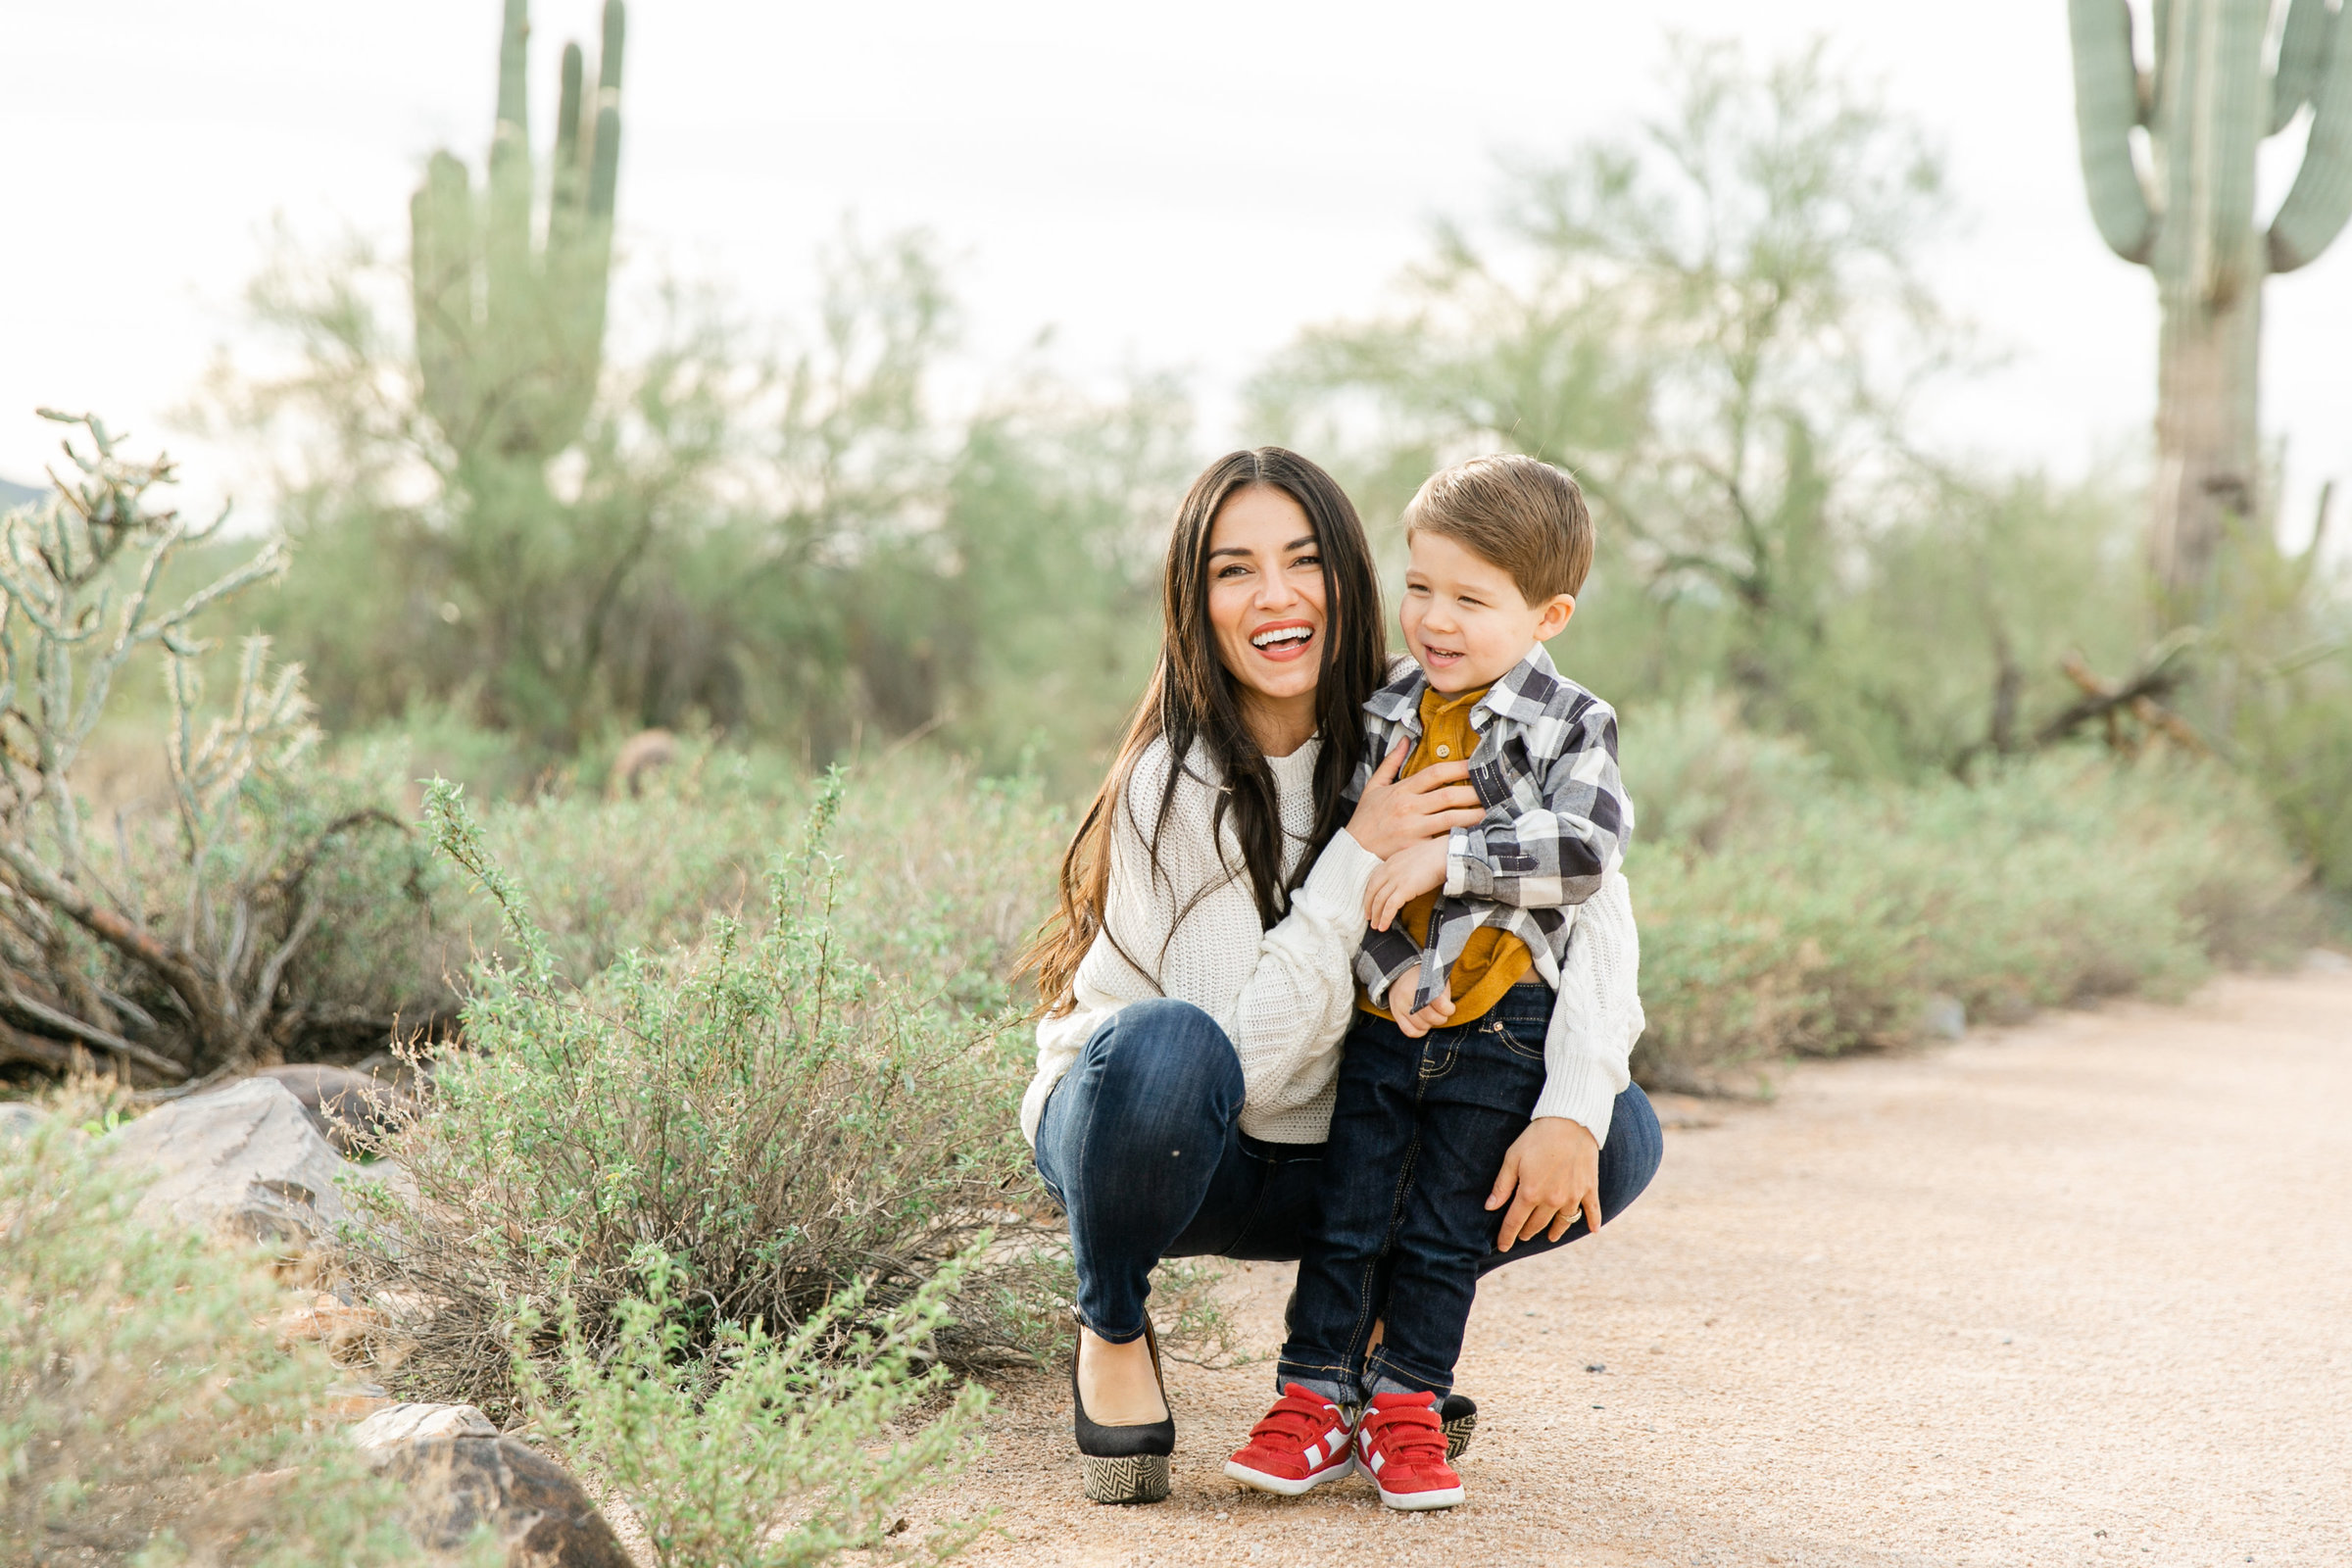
x,y
1519,514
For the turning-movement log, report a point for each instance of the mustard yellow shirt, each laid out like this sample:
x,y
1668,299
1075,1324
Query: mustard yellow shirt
x,y
1492,961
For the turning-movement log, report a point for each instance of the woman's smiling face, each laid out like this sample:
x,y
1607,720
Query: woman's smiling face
x,y
1266,606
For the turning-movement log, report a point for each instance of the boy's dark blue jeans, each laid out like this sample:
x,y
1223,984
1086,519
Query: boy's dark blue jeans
x,y
1400,1226
1141,1143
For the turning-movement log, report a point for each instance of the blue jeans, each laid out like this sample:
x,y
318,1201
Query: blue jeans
x,y
1402,1229
1141,1143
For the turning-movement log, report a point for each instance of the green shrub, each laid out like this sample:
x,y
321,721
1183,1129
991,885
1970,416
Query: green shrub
x,y
941,872
145,1413
766,1450
1783,910
764,1109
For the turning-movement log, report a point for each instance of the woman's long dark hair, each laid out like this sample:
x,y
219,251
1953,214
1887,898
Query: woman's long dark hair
x,y
1192,699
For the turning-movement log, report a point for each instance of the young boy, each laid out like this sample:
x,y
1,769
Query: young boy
x,y
1444,1067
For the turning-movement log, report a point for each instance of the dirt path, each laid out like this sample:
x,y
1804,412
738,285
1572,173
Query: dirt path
x,y
2076,1293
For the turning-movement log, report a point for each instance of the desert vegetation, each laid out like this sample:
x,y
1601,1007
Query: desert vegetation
x,y
145,1410
717,1039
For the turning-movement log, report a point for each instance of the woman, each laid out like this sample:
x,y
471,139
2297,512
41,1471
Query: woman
x,y
1198,971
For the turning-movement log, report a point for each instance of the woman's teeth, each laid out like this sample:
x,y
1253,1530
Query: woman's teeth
x,y
1281,635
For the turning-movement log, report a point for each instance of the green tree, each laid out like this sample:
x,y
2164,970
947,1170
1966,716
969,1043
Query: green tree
x,y
1715,326
829,556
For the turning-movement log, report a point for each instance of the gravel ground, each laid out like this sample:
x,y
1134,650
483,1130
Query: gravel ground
x,y
2075,1293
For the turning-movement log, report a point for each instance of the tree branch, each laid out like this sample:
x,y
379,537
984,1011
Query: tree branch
x,y
176,969
276,965
41,1015
2103,701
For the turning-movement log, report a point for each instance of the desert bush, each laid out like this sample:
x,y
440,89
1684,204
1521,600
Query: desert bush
x,y
145,1413
1784,911
765,1449
171,949
939,873
2296,735
2274,687
765,1107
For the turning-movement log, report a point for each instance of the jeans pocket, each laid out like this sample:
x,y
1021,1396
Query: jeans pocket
x,y
1525,1049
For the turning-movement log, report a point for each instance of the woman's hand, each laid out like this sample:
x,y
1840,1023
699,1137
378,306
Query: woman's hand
x,y
1394,816
1550,1175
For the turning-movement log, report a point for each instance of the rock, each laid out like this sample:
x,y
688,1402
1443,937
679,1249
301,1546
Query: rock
x,y
331,1321
407,1423
2009,1008
19,1121
641,755
347,1107
351,1401
535,1511
244,1159
1942,1017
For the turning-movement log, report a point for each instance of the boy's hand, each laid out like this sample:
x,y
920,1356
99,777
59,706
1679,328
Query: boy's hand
x,y
1550,1175
1413,1025
1403,877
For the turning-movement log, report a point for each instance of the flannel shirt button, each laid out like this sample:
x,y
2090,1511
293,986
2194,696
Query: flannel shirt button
x,y
1445,751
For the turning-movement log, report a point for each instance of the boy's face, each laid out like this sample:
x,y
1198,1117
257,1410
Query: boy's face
x,y
1465,621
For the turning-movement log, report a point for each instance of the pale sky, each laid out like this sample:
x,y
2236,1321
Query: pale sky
x,y
1166,186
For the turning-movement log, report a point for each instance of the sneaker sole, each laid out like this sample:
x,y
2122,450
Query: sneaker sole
x,y
1457,1435
1416,1501
1288,1486
1140,1479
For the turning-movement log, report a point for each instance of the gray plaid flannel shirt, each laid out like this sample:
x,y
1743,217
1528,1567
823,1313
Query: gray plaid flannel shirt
x,y
1557,819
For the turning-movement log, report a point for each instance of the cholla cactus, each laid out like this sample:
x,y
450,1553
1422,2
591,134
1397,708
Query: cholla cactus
x,y
2186,211
511,324
78,598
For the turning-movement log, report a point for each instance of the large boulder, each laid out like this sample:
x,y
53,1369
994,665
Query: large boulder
x,y
348,1105
407,1423
244,1159
535,1511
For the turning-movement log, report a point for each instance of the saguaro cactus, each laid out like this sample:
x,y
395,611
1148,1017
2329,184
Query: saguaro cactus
x,y
2184,209
510,323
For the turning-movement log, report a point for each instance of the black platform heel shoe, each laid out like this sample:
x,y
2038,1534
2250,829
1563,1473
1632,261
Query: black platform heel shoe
x,y
1125,1464
1457,1415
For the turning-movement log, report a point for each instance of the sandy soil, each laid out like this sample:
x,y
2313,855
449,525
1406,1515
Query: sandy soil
x,y
2075,1293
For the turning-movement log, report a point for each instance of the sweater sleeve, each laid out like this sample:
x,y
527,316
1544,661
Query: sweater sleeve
x,y
1283,996
1598,1017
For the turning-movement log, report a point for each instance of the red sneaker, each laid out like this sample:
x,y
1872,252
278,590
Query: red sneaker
x,y
1301,1443
1402,1446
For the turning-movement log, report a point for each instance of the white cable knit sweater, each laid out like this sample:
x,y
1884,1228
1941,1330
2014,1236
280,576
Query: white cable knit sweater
x,y
1285,996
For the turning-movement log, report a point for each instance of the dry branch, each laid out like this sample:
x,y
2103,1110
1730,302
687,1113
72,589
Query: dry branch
x,y
2105,701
